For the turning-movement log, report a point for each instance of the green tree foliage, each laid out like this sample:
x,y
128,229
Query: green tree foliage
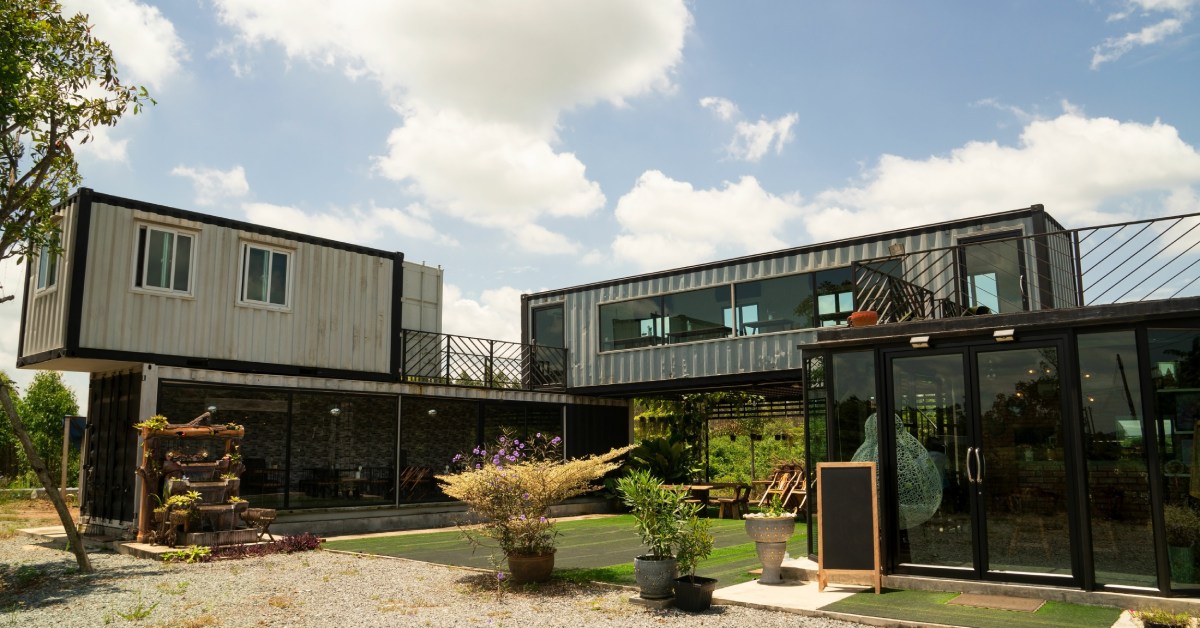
x,y
57,83
45,403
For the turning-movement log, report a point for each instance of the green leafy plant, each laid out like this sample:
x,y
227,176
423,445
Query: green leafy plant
x,y
156,422
190,554
670,458
512,484
1182,525
695,543
1163,617
660,512
773,510
139,612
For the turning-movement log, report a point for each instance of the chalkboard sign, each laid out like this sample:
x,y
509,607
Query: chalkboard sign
x,y
847,522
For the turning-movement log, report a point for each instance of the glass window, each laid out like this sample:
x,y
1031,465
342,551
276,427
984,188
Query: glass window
x,y
835,296
548,326
853,399
265,275
1118,484
1175,373
697,315
47,268
776,304
164,260
631,324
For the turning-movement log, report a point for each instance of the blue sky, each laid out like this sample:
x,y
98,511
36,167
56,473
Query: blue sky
x,y
537,144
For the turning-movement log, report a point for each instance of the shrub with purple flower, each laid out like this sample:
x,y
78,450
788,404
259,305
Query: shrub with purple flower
x,y
511,485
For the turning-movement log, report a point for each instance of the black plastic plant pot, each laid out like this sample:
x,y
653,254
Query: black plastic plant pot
x,y
694,595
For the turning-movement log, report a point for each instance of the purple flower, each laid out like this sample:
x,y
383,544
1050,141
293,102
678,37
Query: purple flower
x,y
525,496
478,466
501,452
542,519
539,434
522,517
556,440
502,439
495,459
457,457
500,576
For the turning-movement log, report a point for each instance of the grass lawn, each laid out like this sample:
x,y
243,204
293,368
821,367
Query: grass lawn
x,y
600,549
18,511
931,607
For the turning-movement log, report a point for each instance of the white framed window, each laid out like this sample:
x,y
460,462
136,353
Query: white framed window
x,y
47,271
266,276
164,260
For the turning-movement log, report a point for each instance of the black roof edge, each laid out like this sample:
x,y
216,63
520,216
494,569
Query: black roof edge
x,y
1013,213
688,384
231,223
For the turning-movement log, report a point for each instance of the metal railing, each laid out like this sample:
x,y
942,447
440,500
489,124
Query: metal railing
x,y
1143,260
432,358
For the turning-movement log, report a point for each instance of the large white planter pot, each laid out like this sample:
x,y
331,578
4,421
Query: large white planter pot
x,y
770,535
655,577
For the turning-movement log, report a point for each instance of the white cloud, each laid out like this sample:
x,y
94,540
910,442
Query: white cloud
x,y
488,173
1078,167
751,140
144,43
723,108
1179,13
668,223
481,90
366,227
103,146
213,186
755,139
496,315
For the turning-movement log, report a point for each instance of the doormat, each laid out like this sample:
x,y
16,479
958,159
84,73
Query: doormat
x,y
1001,602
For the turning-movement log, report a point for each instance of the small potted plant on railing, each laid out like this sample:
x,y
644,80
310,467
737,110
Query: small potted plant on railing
x,y
770,530
693,593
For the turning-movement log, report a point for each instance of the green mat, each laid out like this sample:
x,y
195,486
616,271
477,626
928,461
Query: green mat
x,y
930,607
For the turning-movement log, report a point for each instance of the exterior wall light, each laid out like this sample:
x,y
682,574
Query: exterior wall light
x,y
919,342
1004,335
335,411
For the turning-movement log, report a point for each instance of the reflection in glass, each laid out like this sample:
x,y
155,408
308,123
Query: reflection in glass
x,y
929,397
1175,356
630,324
777,304
835,296
1118,483
854,399
1024,473
697,315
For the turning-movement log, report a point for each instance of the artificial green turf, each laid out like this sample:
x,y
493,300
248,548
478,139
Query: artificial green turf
x,y
598,549
931,607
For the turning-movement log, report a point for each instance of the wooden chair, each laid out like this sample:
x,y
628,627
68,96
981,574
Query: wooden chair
x,y
736,506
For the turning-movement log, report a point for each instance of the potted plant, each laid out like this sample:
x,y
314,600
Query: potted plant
x,y
1183,531
660,514
511,486
693,593
770,530
1160,618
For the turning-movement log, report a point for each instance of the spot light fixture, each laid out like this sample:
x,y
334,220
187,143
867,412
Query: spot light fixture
x,y
1004,335
919,342
335,411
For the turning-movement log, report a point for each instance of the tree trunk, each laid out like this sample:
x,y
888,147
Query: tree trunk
x,y
73,539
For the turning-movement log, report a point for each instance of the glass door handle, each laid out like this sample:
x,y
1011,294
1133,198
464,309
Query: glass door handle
x,y
979,466
970,476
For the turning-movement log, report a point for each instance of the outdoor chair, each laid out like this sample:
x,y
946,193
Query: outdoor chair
x,y
737,506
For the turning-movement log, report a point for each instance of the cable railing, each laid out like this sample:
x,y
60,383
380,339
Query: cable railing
x,y
433,358
1144,260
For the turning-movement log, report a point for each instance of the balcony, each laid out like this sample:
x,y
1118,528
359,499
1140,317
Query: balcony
x,y
432,358
1144,260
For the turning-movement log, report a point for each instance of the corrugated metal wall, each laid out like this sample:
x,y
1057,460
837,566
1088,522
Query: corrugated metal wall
x,y
339,319
422,299
46,311
731,356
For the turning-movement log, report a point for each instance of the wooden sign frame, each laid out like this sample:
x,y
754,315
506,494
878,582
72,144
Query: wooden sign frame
x,y
838,471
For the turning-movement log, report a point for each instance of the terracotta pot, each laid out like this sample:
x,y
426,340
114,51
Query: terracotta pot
x,y
864,318
530,568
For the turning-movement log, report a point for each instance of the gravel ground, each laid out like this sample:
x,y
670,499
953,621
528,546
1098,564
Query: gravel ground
x,y
39,586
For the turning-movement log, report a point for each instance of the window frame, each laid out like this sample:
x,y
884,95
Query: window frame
x,y
244,269
141,260
46,276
